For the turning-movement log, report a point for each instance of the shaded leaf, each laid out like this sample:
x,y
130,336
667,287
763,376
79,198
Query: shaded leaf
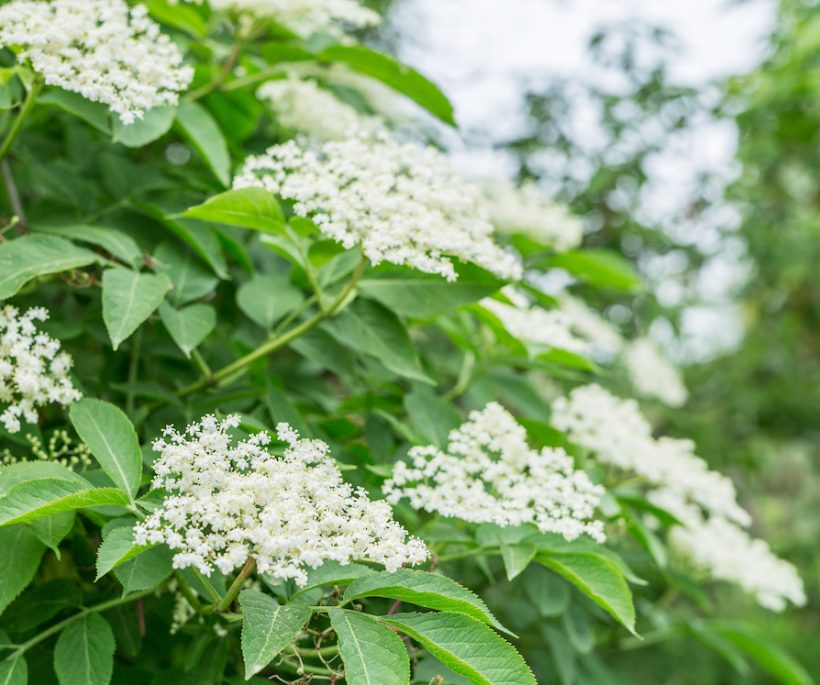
x,y
372,653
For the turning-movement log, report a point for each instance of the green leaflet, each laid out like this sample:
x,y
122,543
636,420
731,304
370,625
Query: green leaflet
x,y
199,127
267,628
188,326
128,299
105,428
154,124
466,646
146,569
21,556
372,653
84,652
599,267
117,547
14,671
265,299
113,240
253,208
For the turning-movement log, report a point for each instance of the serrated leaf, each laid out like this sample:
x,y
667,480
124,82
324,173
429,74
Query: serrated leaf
x,y
372,654
35,499
549,593
52,529
199,127
84,652
41,604
598,578
128,299
465,646
254,208
117,547
37,470
190,277
154,124
188,326
146,570
111,438
334,573
267,628
118,243
14,671
423,589
267,298
517,557
33,255
21,556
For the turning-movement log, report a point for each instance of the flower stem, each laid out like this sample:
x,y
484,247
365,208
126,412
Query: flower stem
x,y
22,115
235,587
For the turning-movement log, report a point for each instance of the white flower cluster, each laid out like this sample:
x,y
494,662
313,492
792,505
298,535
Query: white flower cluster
x,y
100,49
303,16
704,500
302,106
527,211
587,323
489,474
33,371
403,203
653,375
228,503
727,552
536,327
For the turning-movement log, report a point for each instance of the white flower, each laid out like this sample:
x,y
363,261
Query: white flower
x,y
527,211
228,503
303,16
653,375
100,49
536,327
727,552
403,203
489,474
587,323
304,107
33,371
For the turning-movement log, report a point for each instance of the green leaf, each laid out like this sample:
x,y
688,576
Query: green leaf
x,y
372,654
517,557
189,276
37,470
425,296
598,578
94,113
21,556
35,499
30,256
51,530
117,547
778,663
189,326
41,604
548,593
465,646
128,299
146,570
154,124
267,628
84,652
430,415
254,208
368,327
423,589
265,299
199,127
179,16
112,439
14,671
578,629
398,76
118,243
599,267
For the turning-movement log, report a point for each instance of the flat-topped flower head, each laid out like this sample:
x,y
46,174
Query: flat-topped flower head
x,y
302,16
402,203
489,474
33,370
101,49
526,210
229,502
302,106
653,375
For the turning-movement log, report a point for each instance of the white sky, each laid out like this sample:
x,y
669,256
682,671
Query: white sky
x,y
486,53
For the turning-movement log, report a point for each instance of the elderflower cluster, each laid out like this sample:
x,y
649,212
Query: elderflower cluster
x,y
727,552
588,324
489,474
304,107
403,203
525,210
33,371
653,375
303,16
101,49
536,327
229,503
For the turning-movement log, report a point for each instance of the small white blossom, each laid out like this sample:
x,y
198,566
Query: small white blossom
x,y
33,371
304,107
525,210
727,552
587,323
228,503
653,375
101,49
489,474
536,327
303,16
403,203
